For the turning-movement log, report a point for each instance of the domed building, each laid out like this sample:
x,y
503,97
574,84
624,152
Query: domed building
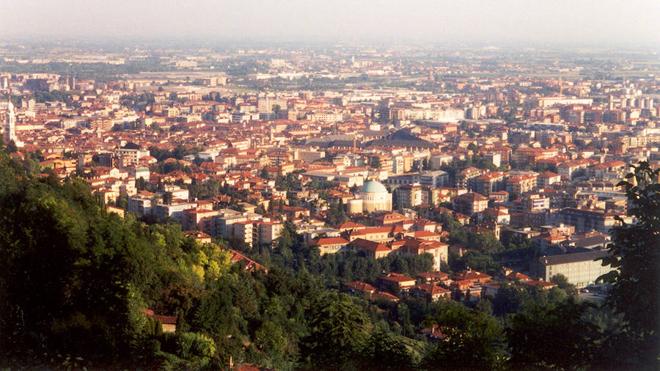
x,y
373,197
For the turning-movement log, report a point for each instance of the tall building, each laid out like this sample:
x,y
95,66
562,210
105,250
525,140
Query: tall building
x,y
9,128
409,196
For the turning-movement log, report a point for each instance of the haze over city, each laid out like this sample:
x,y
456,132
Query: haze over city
x,y
603,23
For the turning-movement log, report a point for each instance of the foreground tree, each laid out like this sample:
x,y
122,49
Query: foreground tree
x,y
339,333
471,340
554,335
388,351
636,258
76,280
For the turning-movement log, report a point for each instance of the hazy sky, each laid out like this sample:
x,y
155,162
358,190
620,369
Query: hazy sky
x,y
586,22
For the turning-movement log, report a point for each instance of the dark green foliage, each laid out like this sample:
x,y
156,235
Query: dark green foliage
x,y
179,152
256,318
350,266
52,96
320,185
70,274
472,339
171,166
509,299
562,282
77,280
339,333
375,163
137,102
291,254
552,335
185,350
481,242
204,190
477,261
389,351
288,183
636,259
336,214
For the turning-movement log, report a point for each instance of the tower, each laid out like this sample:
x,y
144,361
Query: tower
x,y
9,129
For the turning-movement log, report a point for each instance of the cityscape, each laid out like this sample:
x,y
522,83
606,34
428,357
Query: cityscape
x,y
267,205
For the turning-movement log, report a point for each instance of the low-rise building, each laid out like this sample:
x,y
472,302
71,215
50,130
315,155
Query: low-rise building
x,y
580,268
396,282
331,245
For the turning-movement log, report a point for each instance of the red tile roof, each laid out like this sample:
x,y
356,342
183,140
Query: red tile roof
x,y
396,277
361,286
325,241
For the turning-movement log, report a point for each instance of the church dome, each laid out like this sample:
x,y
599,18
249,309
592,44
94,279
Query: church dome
x,y
373,186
